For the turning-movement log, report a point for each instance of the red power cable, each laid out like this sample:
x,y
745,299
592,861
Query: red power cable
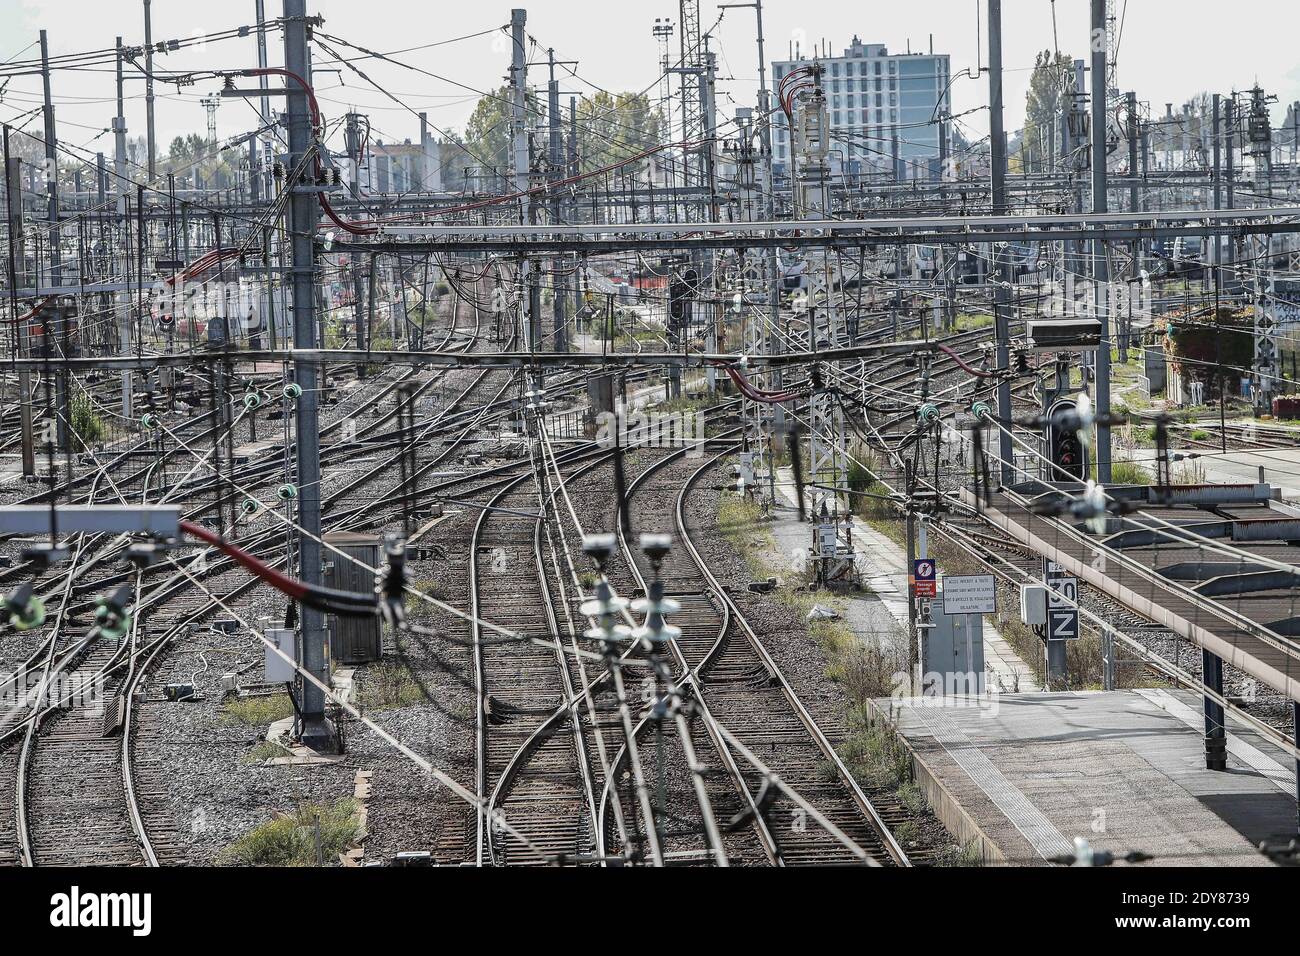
x,y
754,394
281,582
957,358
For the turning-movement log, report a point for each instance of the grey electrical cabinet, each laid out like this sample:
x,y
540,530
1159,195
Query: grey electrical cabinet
x,y
353,640
953,662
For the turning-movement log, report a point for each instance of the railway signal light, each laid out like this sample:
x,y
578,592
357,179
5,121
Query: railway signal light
x,y
1065,449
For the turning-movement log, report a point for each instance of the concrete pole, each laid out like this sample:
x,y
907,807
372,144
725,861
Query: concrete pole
x,y
1100,269
518,104
530,304
14,210
304,218
425,165
264,105
1001,295
1218,183
554,158
148,90
773,259
56,254
122,302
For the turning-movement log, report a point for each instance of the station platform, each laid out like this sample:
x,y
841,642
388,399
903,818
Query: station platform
x,y
1021,775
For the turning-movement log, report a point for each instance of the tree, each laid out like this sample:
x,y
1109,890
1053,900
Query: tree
x,y
614,127
1044,102
455,160
487,134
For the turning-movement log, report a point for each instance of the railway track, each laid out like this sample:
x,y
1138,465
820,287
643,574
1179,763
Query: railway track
x,y
75,795
736,682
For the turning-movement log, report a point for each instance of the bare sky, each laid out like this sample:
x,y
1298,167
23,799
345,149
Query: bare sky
x,y
1168,52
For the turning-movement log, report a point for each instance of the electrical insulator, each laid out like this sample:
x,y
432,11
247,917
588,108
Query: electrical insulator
x,y
26,610
149,420
287,492
292,391
252,400
981,410
113,615
928,413
278,172
250,506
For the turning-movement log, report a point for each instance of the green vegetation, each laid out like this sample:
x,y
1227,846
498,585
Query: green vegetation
x,y
968,855
419,610
313,835
875,755
968,321
87,427
261,709
868,494
1129,473
264,750
387,684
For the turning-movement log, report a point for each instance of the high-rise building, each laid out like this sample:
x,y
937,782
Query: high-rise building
x,y
873,97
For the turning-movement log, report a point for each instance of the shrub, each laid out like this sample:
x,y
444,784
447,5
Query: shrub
x,y
1128,473
291,840
87,426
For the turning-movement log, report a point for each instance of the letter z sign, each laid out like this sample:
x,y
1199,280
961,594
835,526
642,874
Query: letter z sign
x,y
1062,609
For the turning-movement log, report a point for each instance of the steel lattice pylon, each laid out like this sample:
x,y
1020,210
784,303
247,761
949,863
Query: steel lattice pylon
x,y
832,546
692,105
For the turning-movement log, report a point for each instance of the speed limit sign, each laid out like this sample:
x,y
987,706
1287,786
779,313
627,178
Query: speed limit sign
x,y
1062,609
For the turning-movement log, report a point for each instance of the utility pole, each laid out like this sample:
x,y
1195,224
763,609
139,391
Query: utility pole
x,y
518,104
1218,185
1002,293
554,165
1100,269
827,452
315,730
56,255
530,302
709,150
14,211
148,90
1229,124
123,298
264,105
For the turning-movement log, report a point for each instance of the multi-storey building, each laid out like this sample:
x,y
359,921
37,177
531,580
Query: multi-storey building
x,y
874,97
